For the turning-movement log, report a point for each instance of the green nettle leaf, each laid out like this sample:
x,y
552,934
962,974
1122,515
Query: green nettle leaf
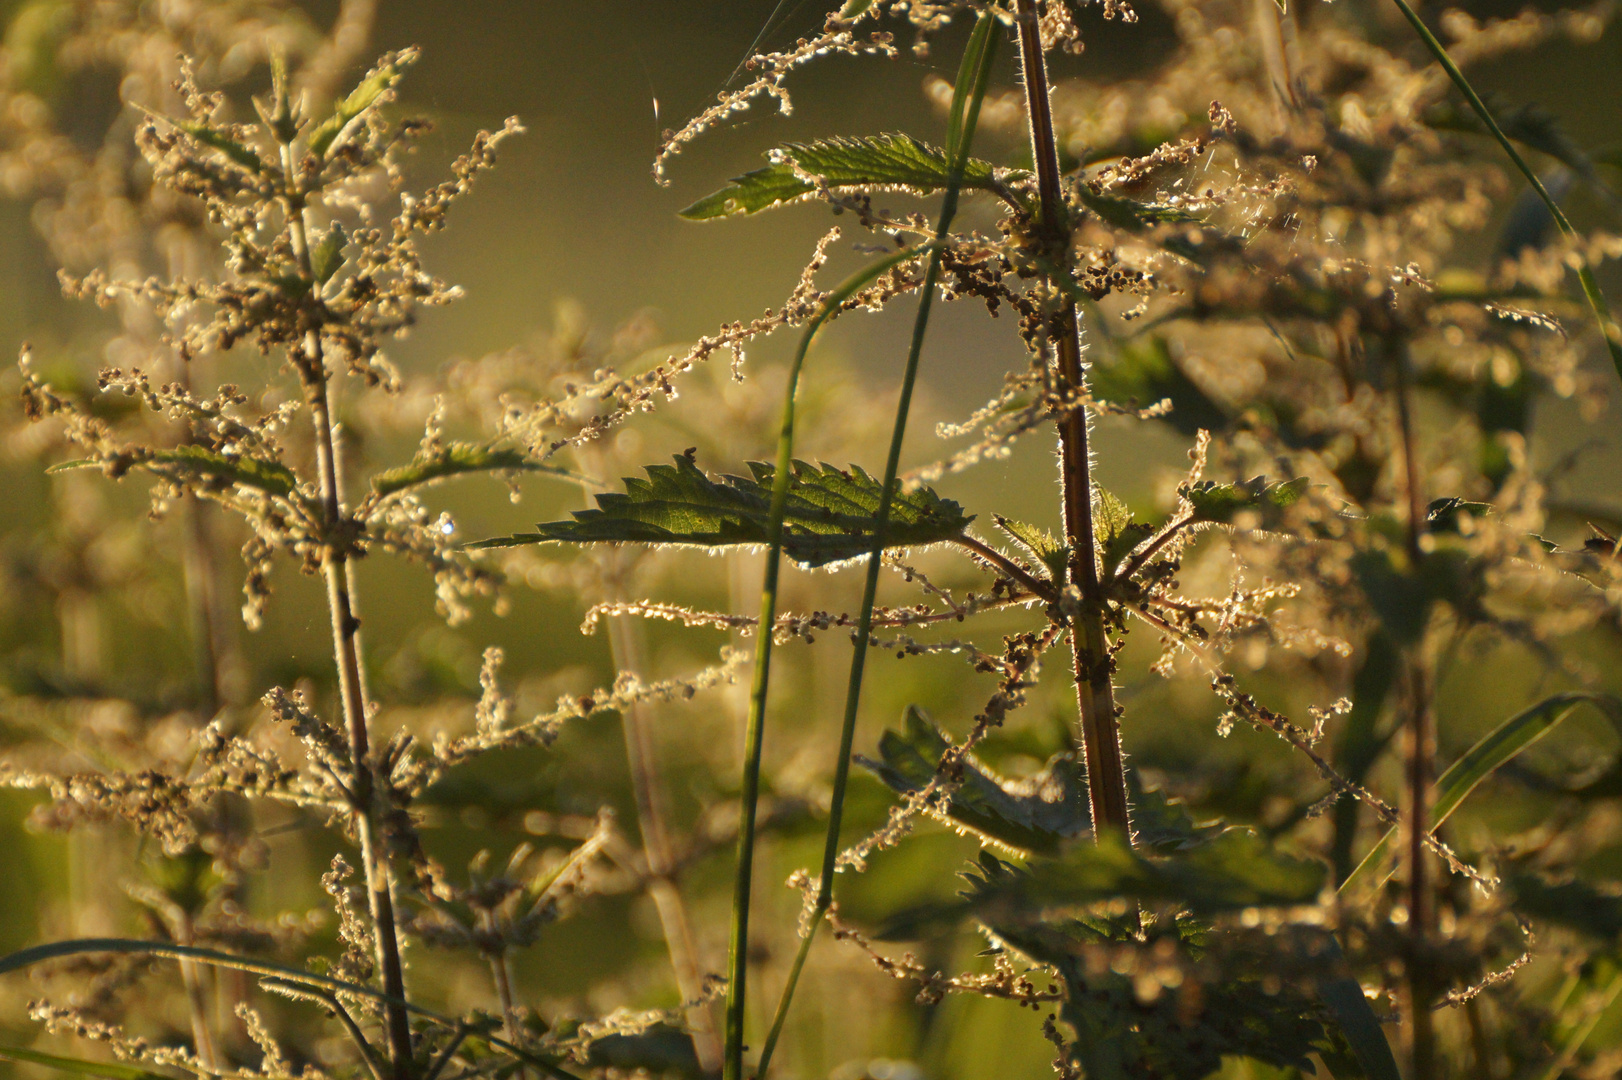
x,y
882,162
1035,814
1114,530
216,139
1235,869
1130,214
271,477
454,459
829,516
1046,550
325,135
328,255
1224,503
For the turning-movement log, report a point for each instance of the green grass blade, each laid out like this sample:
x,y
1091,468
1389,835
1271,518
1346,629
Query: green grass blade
x,y
1585,273
738,958
101,1070
167,950
1372,1058
973,75
1503,743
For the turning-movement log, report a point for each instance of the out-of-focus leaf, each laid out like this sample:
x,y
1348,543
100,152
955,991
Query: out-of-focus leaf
x,y
216,139
101,1070
1036,814
1046,550
1360,742
1575,904
456,459
324,135
882,162
1479,762
1223,503
660,1050
1144,373
829,517
328,255
1236,869
271,477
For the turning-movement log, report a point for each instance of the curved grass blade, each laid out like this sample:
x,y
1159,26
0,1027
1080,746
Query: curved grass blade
x,y
737,963
1372,1058
973,74
1503,743
1585,273
169,951
101,1070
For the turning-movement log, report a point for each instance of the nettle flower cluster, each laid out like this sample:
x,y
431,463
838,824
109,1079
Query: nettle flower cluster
x,y
324,296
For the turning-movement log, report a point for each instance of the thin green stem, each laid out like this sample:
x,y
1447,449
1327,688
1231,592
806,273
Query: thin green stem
x,y
1585,273
749,798
973,75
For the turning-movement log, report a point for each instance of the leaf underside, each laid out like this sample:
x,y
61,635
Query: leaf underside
x,y
829,517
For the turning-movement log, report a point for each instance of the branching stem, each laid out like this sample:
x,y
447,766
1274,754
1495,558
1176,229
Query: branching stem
x,y
1089,643
338,572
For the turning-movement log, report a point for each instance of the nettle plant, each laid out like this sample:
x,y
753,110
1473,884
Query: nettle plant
x,y
317,276
1259,243
1259,239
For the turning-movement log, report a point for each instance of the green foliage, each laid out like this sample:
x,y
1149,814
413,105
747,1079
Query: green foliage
x,y
215,139
1047,551
828,518
1255,499
455,459
100,1070
1142,373
884,162
1036,814
331,132
328,254
1114,531
1486,757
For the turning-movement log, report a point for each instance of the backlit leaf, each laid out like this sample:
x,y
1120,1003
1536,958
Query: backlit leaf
x,y
829,516
1034,814
882,162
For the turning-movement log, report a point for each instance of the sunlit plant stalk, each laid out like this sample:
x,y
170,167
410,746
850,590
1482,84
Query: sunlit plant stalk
x,y
339,574
1089,643
974,73
749,798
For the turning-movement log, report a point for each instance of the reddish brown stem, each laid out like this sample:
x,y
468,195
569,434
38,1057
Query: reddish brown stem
x,y
1421,750
1089,642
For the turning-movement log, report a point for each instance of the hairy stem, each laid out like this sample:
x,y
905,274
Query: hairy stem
x,y
1089,643
338,572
